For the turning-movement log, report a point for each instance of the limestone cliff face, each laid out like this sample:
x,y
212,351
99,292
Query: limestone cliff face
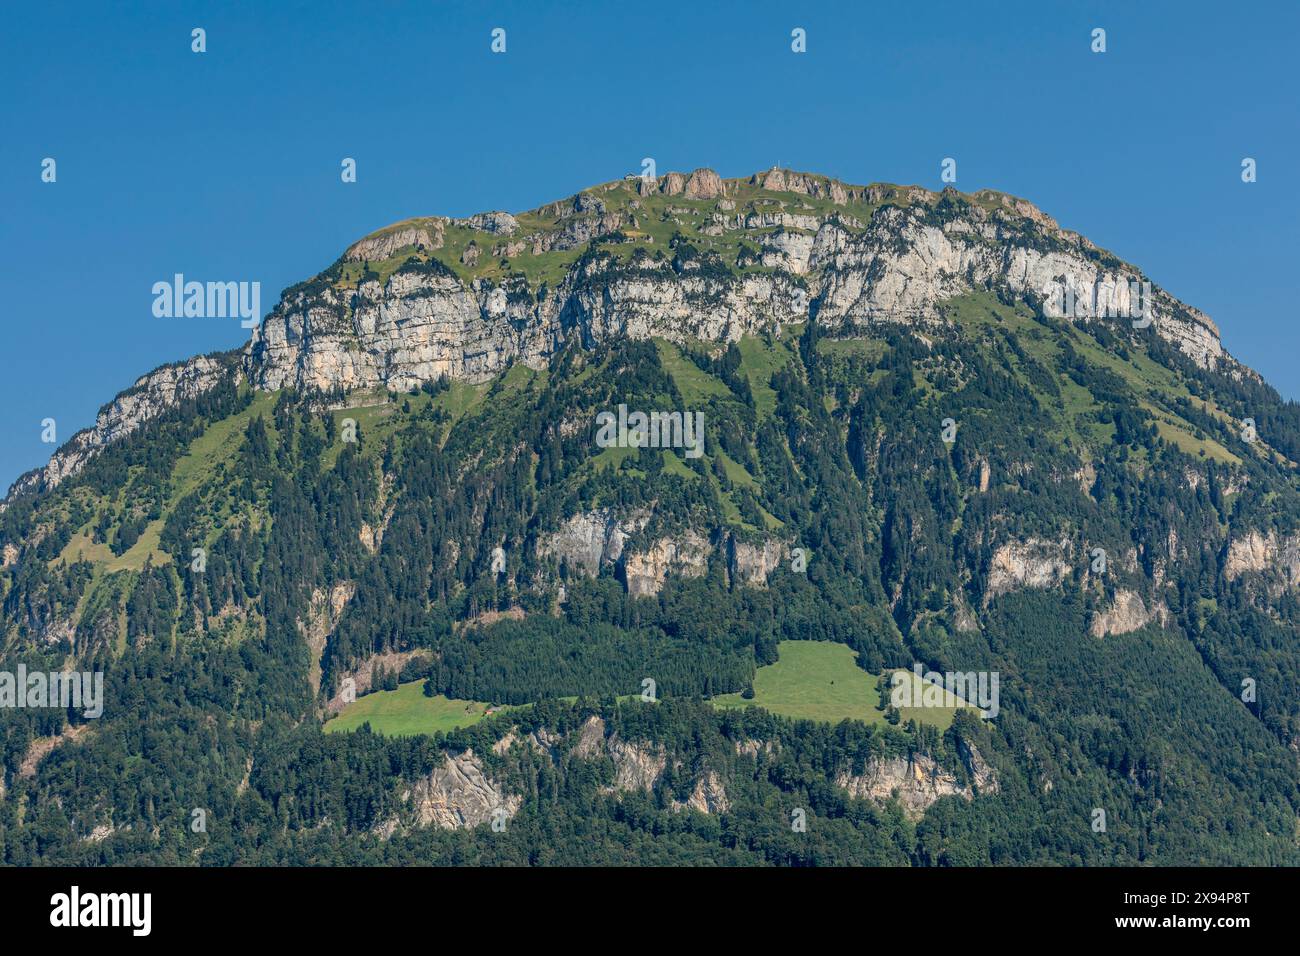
x,y
1270,562
592,540
636,766
639,767
411,329
899,266
461,794
1127,613
753,748
149,397
984,778
908,260
417,326
389,242
751,562
707,796
837,254
458,795
1033,563
324,611
916,781
1256,553
686,554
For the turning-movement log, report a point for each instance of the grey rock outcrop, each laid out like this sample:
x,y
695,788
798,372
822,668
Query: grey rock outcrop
x,y
389,243
917,781
752,562
414,328
1268,554
639,767
906,263
899,267
686,554
1127,613
497,223
149,397
459,795
636,766
707,796
592,539
1033,563
324,610
1265,563
753,748
704,184
984,778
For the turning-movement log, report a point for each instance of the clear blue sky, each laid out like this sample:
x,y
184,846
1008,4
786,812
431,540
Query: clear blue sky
x,y
225,165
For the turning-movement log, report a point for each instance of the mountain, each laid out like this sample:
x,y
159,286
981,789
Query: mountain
x,y
466,298
934,428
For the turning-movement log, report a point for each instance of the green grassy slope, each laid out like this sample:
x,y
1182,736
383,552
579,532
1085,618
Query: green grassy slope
x,y
820,681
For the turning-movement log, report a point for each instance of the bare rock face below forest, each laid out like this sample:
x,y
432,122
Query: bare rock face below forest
x,y
1127,613
457,795
587,542
1033,563
639,767
917,781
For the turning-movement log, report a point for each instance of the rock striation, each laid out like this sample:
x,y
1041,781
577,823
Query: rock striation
x,y
459,795
591,540
916,250
150,396
837,254
1255,552
1127,613
1033,563
916,781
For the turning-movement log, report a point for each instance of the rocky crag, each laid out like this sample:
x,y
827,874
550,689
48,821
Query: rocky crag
x,y
678,257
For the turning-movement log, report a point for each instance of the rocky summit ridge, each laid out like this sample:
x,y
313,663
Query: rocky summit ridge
x,y
680,256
